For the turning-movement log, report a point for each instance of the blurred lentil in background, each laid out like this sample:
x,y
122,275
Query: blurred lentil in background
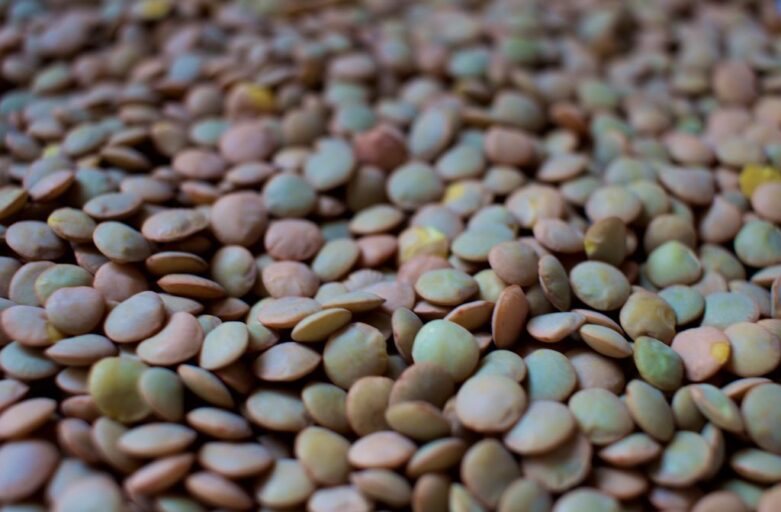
x,y
343,256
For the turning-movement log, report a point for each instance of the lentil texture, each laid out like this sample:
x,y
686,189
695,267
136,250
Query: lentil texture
x,y
355,256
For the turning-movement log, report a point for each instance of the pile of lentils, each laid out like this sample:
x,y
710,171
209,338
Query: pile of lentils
x,y
335,256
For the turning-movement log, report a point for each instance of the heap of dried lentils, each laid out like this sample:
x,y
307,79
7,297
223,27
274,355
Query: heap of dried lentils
x,y
340,257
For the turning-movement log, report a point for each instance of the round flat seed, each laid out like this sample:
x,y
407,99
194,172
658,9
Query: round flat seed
x,y
606,341
658,364
758,244
286,312
75,310
120,243
687,414
761,416
650,410
376,219
188,285
323,454
448,345
12,199
605,240
717,407
720,500
25,363
472,315
136,318
358,301
551,376
601,415
613,201
461,499
159,475
292,239
439,455
558,236
325,404
215,490
235,460
384,486
673,263
413,185
34,240
684,460
81,350
595,371
509,316
177,342
234,268
554,282
354,351
219,423
318,326
646,314
446,287
11,391
723,309
338,498
426,381
112,206
596,318
105,435
205,385
24,467
764,202
101,491
223,345
156,439
686,301
286,485
631,451
174,224
113,385
490,403
163,392
29,326
366,403
703,350
737,389
586,499
562,468
599,285
335,259
404,326
418,420
277,410
514,263
757,465
554,327
487,469
474,245
431,492
544,426
524,494
71,224
503,362
175,262
285,362
383,449
23,418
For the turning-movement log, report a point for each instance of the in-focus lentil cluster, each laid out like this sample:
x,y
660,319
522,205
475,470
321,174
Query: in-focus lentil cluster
x,y
335,256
